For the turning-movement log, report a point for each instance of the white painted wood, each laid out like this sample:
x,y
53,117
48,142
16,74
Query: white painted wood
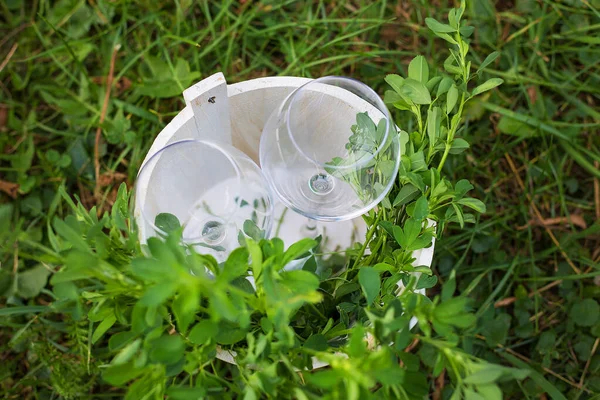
x,y
237,116
252,102
209,102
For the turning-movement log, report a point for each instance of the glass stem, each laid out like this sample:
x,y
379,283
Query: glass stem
x,y
310,228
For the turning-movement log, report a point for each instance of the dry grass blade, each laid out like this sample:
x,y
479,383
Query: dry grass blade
x,y
573,219
10,188
439,386
11,52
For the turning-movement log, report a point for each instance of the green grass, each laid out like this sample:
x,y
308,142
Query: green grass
x,y
543,125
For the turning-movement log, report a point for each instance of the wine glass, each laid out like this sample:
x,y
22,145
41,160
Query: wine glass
x,y
215,194
331,150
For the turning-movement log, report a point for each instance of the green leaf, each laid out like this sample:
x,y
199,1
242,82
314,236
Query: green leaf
x,y
404,105
158,294
462,320
103,327
127,353
458,146
459,215
438,27
391,97
490,391
166,81
489,374
517,128
120,374
185,306
357,346
421,242
452,18
386,168
400,237
444,86
230,334
310,265
252,230
236,264
426,282
451,98
475,204
388,226
317,342
418,69
433,124
440,189
32,281
452,307
298,250
120,339
243,284
417,162
449,287
471,395
496,330
326,378
186,393
415,91
256,257
416,180
421,209
299,281
466,31
167,222
405,195
366,125
346,288
404,139
488,60
412,229
450,65
462,187
369,282
585,312
167,349
223,307
488,85
395,81
73,237
151,269
430,85
22,160
203,331
546,342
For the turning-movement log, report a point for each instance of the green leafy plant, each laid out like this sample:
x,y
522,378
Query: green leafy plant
x,y
530,275
367,163
158,321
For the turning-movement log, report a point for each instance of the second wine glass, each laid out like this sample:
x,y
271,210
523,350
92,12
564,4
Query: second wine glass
x,y
331,151
215,194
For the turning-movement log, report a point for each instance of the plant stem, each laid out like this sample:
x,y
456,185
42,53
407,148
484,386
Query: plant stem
x,y
452,133
370,234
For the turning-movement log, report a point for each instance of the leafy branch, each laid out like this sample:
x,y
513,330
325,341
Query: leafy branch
x,y
161,321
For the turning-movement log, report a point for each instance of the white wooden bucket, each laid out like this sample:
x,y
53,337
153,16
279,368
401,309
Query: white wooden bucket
x,y
236,114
